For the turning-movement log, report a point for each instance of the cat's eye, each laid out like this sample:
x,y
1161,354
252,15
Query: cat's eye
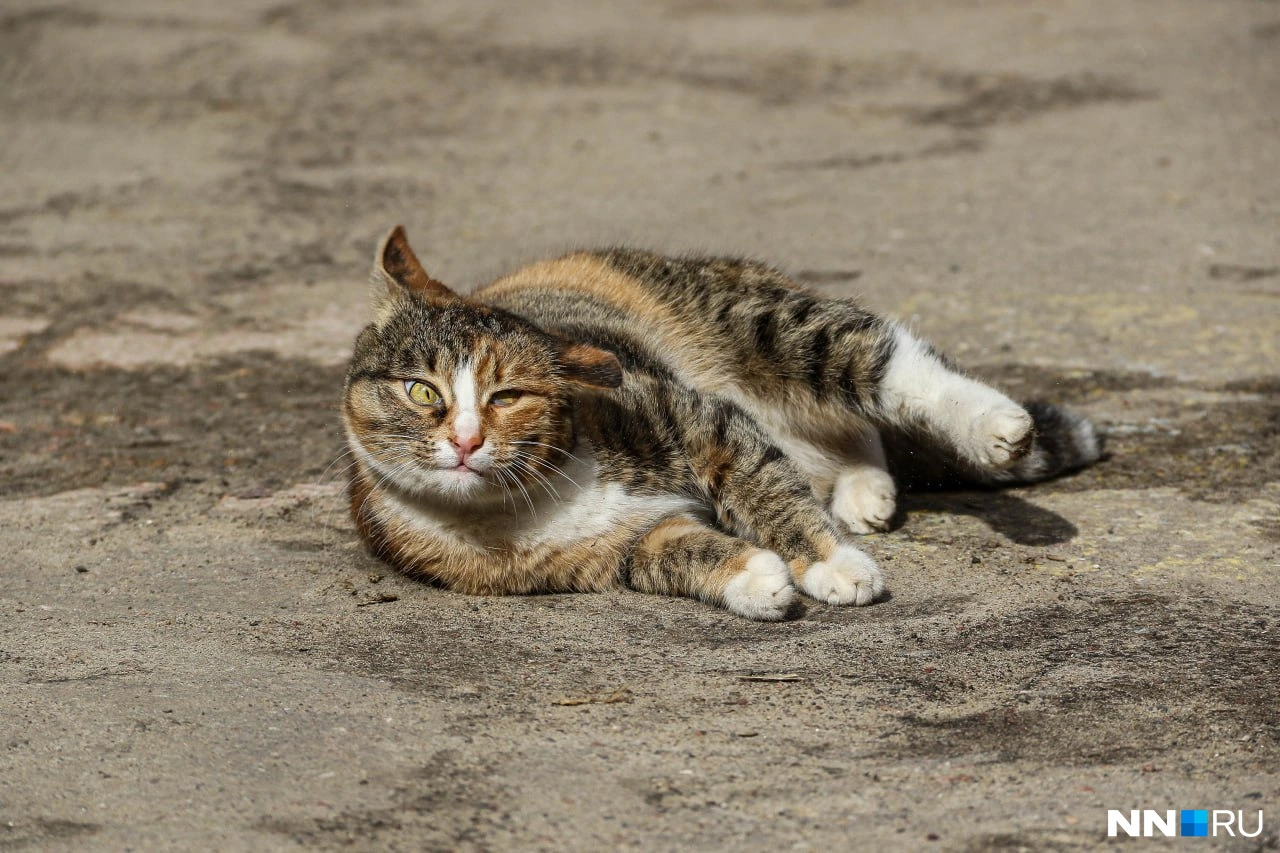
x,y
421,393
505,398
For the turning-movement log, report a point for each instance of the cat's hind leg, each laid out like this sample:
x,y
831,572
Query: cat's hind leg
x,y
682,556
864,496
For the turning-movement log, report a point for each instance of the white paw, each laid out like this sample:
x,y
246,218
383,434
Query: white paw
x,y
1001,435
848,576
865,499
762,590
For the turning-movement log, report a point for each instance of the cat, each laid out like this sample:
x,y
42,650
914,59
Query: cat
x,y
700,427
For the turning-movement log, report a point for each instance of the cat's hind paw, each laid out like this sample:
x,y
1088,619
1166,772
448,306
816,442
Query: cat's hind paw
x,y
864,499
847,576
1001,435
762,590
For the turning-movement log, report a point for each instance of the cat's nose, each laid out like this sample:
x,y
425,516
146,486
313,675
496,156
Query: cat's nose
x,y
467,444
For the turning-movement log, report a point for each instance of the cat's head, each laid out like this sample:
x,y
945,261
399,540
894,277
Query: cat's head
x,y
450,398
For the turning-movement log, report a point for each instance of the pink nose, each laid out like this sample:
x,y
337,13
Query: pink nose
x,y
467,444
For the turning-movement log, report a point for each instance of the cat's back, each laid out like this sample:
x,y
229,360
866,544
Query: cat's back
x,y
643,284
580,289
648,308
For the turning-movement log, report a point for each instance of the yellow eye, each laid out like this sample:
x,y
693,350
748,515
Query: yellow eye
x,y
505,398
421,393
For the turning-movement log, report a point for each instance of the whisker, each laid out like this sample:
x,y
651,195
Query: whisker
x,y
508,480
542,480
380,479
527,498
549,464
544,444
350,451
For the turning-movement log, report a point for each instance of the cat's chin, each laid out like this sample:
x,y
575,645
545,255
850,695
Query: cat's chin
x,y
456,485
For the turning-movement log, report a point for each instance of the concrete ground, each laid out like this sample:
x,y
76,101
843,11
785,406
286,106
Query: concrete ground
x,y
1079,200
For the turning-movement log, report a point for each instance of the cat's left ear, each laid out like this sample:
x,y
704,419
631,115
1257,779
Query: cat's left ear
x,y
589,366
397,270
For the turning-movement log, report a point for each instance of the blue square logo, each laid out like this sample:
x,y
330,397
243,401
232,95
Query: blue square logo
x,y
1195,822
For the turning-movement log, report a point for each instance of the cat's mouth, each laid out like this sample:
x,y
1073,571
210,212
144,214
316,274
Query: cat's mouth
x,y
460,479
462,471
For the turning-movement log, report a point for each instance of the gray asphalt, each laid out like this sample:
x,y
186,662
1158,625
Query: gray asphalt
x,y
1079,201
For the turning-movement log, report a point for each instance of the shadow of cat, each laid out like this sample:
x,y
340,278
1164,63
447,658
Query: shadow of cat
x,y
1016,519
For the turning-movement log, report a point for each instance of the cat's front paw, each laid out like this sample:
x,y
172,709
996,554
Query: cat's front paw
x,y
762,590
865,499
847,576
1001,435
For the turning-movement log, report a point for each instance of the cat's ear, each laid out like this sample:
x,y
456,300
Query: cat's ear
x,y
589,366
397,270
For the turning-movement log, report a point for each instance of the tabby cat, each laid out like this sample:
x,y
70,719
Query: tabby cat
x,y
690,426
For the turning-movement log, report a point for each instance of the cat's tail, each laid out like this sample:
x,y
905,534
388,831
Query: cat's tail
x,y
1063,442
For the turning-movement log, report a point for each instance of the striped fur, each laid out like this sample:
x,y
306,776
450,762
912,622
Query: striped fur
x,y
701,427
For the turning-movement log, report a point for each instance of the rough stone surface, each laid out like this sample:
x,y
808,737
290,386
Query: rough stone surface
x,y
1078,200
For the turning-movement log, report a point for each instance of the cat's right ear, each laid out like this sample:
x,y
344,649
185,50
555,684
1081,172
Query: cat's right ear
x,y
589,366
398,272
